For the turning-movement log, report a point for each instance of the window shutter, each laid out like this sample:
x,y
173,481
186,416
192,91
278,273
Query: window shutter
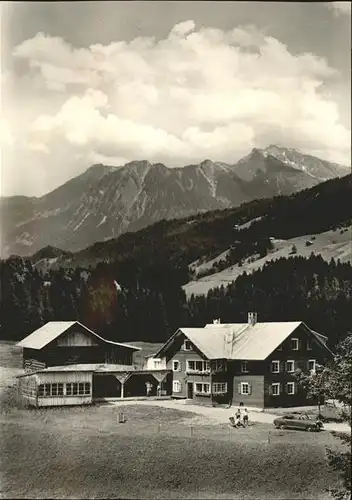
x,y
286,388
249,389
270,390
280,388
239,388
179,366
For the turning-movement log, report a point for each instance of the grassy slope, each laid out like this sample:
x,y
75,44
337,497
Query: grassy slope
x,y
83,453
212,232
330,244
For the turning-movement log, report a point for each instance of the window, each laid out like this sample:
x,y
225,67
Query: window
x,y
245,388
244,367
198,366
294,344
202,388
219,388
77,389
309,345
176,366
187,346
290,366
157,363
191,366
275,389
48,390
290,388
218,365
176,386
275,366
83,388
311,365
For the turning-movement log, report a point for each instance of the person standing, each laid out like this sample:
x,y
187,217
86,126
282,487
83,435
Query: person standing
x,y
245,417
148,387
241,410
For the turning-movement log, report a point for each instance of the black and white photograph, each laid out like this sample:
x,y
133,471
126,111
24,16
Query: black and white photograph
x,y
175,250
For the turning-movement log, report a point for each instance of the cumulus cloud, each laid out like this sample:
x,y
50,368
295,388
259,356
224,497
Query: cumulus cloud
x,y
183,28
197,93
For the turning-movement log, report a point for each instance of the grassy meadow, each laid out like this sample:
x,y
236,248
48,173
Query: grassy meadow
x,y
83,452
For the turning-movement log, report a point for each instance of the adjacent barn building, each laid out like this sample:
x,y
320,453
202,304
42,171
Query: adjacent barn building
x,y
66,363
69,342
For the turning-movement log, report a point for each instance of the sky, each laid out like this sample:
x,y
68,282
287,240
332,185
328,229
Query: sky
x,y
172,82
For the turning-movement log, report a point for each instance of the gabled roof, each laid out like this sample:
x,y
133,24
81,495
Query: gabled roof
x,y
240,340
52,330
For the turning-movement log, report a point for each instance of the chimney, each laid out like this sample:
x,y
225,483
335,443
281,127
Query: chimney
x,y
252,318
216,321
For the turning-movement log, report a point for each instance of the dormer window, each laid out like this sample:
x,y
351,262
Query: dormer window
x,y
187,345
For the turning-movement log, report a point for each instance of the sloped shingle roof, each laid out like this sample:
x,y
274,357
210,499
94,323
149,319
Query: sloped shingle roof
x,y
241,340
49,332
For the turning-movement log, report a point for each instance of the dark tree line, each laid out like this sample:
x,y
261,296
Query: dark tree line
x,y
151,304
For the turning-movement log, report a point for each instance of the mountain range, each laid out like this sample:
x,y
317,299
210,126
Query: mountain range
x,y
105,202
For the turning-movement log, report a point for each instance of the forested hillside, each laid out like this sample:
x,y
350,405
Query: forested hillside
x,y
152,305
135,293
323,207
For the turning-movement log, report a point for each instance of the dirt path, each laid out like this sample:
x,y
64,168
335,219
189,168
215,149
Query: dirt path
x,y
221,415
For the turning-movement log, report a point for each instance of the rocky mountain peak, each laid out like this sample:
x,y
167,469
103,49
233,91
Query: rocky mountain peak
x,y
106,201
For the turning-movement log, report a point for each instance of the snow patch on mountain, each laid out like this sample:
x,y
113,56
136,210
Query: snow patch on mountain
x,y
103,220
86,215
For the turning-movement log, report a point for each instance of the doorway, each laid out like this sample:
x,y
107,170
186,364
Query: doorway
x,y
190,390
106,386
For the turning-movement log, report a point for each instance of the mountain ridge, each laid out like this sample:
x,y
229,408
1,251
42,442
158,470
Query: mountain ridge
x,y
241,232
106,201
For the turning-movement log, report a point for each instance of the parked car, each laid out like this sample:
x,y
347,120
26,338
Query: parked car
x,y
295,421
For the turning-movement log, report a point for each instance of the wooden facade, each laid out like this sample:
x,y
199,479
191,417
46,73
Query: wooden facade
x,y
256,383
62,387
76,345
57,388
